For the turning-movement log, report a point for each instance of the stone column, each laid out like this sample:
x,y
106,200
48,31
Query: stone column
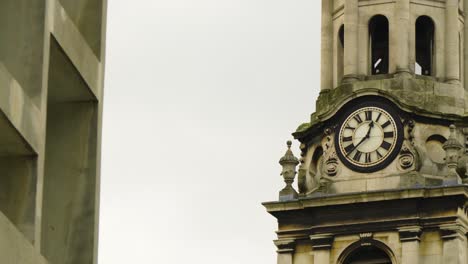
x,y
401,35
351,51
321,245
410,237
454,244
452,63
465,33
327,46
285,250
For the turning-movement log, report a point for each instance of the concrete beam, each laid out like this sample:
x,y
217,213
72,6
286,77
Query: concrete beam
x,y
14,246
20,110
75,46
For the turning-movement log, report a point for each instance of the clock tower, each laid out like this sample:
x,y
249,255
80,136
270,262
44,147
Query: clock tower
x,y
382,174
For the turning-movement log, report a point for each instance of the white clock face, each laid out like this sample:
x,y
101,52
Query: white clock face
x,y
368,137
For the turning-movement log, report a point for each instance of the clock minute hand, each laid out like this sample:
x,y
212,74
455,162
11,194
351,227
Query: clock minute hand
x,y
371,125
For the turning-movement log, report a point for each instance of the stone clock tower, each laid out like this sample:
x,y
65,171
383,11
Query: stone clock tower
x,y
382,174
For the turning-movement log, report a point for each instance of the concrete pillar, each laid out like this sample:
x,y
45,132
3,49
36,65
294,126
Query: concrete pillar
x,y
327,46
410,237
351,55
401,36
321,245
454,244
285,250
452,51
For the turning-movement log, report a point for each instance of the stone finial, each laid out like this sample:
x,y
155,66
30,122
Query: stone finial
x,y
452,153
289,163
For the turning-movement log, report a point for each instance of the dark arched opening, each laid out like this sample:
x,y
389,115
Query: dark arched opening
x,y
340,53
368,255
378,34
424,45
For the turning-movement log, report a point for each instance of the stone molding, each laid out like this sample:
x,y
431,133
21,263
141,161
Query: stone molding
x,y
453,231
410,233
285,246
322,241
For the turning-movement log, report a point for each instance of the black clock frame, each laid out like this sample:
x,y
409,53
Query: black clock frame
x,y
399,133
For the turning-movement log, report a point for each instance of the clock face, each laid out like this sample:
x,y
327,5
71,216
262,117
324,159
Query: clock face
x,y
369,137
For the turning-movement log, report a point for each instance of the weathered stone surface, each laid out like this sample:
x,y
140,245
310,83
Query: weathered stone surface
x,y
51,87
413,208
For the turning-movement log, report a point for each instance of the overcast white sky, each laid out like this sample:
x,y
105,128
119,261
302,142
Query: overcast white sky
x,y
200,98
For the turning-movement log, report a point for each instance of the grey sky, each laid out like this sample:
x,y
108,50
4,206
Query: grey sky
x,y
200,99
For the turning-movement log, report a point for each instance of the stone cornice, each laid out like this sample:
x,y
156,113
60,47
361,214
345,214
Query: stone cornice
x,y
453,231
375,196
285,245
410,233
322,241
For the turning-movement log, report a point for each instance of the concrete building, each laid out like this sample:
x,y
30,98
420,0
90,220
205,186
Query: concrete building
x,y
382,175
51,90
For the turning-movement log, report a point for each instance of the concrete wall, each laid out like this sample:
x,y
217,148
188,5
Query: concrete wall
x,y
14,248
70,182
21,43
86,15
51,86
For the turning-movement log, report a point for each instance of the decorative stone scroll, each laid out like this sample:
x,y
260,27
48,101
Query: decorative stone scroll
x,y
408,158
330,159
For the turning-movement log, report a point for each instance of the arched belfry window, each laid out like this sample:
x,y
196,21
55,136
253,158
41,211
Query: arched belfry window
x,y
340,53
424,45
368,255
378,34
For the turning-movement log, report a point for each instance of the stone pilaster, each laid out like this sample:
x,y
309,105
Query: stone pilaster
x,y
452,50
321,245
327,46
401,37
285,250
465,54
351,54
454,244
410,238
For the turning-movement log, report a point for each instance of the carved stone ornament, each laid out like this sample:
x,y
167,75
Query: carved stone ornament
x,y
408,158
365,239
289,163
452,154
330,159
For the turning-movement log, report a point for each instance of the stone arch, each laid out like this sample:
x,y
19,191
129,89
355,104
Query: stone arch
x,y
379,44
424,45
369,249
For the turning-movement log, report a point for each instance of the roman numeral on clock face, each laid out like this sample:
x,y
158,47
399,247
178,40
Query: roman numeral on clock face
x,y
357,155
368,158
379,156
385,145
388,134
384,125
358,118
348,149
368,115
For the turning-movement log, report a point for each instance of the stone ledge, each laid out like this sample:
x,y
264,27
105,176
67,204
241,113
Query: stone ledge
x,y
375,196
